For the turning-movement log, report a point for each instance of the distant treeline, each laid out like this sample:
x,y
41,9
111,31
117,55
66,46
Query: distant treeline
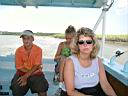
x,y
37,34
9,33
117,38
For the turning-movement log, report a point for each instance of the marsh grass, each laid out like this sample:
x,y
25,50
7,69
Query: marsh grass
x,y
117,38
111,39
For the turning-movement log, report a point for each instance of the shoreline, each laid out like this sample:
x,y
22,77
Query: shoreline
x,y
118,40
50,44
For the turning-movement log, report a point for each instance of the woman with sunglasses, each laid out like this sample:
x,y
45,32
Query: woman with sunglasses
x,y
84,73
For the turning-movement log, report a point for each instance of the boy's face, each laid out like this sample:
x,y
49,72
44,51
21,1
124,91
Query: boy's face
x,y
27,40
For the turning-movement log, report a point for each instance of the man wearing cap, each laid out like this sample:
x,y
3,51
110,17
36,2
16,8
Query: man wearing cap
x,y
28,62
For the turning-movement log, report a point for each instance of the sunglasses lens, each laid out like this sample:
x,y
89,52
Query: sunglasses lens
x,y
89,41
85,42
80,42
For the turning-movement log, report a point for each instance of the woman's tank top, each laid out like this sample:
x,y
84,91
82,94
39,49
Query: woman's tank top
x,y
85,77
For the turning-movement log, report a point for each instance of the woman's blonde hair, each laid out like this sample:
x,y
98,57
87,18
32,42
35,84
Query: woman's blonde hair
x,y
70,30
87,33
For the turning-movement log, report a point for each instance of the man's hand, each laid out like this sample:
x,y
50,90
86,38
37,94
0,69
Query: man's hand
x,y
22,81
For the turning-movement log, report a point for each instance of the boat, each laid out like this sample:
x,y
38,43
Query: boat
x,y
117,74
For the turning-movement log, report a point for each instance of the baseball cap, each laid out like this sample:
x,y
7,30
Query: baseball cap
x,y
27,33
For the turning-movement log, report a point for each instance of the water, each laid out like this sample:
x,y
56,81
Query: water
x,y
9,43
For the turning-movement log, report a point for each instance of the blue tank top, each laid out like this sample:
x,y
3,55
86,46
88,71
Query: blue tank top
x,y
85,77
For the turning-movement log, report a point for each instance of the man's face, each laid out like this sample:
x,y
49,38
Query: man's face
x,y
27,40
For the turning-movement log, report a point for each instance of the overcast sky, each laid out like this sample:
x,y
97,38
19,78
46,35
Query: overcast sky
x,y
56,19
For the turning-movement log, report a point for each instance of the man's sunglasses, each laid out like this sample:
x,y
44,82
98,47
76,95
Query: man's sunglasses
x,y
85,42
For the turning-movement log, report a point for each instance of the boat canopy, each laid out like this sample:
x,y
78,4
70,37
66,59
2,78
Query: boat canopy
x,y
59,3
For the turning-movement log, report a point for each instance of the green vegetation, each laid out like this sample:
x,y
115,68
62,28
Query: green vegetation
x,y
59,35
37,34
115,39
9,33
118,38
109,38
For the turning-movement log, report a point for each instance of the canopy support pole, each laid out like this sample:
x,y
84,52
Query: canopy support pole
x,y
103,16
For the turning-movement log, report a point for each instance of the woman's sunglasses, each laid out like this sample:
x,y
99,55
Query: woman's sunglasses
x,y
85,42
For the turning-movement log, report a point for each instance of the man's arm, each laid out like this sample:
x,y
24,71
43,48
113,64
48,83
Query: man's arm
x,y
22,81
29,72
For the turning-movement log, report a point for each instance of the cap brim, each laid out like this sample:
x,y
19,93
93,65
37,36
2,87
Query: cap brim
x,y
25,34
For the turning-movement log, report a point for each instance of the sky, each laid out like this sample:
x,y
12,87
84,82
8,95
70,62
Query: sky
x,y
57,19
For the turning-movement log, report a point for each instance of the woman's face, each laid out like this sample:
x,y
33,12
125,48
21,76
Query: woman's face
x,y
85,44
69,38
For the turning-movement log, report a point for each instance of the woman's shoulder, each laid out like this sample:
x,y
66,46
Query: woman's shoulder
x,y
98,60
61,44
69,60
72,60
73,56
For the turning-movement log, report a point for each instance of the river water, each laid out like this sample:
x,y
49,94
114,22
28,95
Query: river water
x,y
9,43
